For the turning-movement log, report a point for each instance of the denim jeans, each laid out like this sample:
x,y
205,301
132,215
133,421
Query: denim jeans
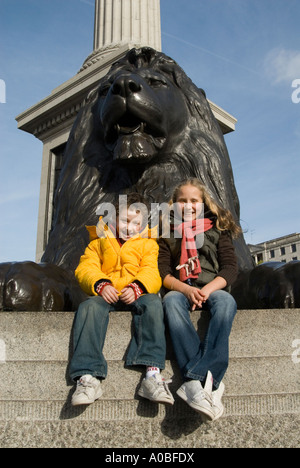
x,y
196,358
147,346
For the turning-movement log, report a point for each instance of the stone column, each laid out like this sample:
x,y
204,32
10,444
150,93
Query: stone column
x,y
133,22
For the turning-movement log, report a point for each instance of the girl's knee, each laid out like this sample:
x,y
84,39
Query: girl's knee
x,y
175,304
222,303
223,296
173,298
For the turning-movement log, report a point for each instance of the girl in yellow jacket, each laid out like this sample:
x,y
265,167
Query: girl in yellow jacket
x,y
119,271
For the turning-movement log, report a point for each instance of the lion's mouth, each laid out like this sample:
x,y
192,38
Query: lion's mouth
x,y
128,125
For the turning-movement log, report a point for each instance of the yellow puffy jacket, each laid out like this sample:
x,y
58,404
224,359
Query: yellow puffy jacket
x,y
104,258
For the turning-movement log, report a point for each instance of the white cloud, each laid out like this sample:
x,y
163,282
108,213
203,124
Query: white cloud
x,y
282,65
87,2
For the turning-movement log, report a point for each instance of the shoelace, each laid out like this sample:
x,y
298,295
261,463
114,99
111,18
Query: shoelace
x,y
82,387
205,396
165,383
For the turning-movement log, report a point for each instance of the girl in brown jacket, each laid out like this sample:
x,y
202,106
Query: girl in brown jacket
x,y
197,264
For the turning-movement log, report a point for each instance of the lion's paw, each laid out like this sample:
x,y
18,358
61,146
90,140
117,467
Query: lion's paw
x,y
28,286
272,285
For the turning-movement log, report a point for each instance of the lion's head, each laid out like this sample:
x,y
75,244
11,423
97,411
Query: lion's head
x,y
140,109
145,128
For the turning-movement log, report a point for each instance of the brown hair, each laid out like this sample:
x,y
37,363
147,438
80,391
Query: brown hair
x,y
225,220
136,202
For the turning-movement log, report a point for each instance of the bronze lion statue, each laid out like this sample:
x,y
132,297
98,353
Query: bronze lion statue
x,y
145,128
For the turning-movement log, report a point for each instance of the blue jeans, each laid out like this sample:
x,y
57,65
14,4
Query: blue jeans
x,y
147,346
196,358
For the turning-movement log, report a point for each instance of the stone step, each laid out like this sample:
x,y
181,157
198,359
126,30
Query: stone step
x,y
38,347
262,387
135,410
40,380
48,335
153,433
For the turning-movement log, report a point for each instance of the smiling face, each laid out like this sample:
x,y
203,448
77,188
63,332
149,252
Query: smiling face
x,y
129,223
189,202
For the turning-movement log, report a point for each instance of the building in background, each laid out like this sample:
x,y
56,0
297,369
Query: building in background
x,y
283,249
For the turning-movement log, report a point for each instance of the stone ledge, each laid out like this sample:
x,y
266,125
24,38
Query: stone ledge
x,y
129,410
233,432
49,380
255,333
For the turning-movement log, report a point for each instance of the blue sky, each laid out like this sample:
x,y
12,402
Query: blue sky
x,y
244,53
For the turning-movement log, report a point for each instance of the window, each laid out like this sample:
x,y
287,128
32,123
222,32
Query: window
x,y
282,250
293,248
272,253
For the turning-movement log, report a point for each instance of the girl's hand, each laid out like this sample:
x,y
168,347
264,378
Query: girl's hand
x,y
195,297
205,293
110,294
215,285
127,296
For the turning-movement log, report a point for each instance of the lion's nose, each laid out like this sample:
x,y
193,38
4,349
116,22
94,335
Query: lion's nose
x,y
126,85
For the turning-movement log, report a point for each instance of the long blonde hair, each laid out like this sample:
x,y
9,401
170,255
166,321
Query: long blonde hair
x,y
225,220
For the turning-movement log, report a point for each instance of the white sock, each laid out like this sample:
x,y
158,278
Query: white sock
x,y
151,371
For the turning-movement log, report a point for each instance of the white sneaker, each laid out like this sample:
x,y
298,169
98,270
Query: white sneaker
x,y
156,389
197,397
218,407
87,391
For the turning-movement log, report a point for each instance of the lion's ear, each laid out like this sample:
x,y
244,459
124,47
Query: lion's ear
x,y
196,97
202,91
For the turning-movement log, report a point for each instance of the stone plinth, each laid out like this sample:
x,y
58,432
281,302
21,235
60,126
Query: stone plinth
x,y
262,397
